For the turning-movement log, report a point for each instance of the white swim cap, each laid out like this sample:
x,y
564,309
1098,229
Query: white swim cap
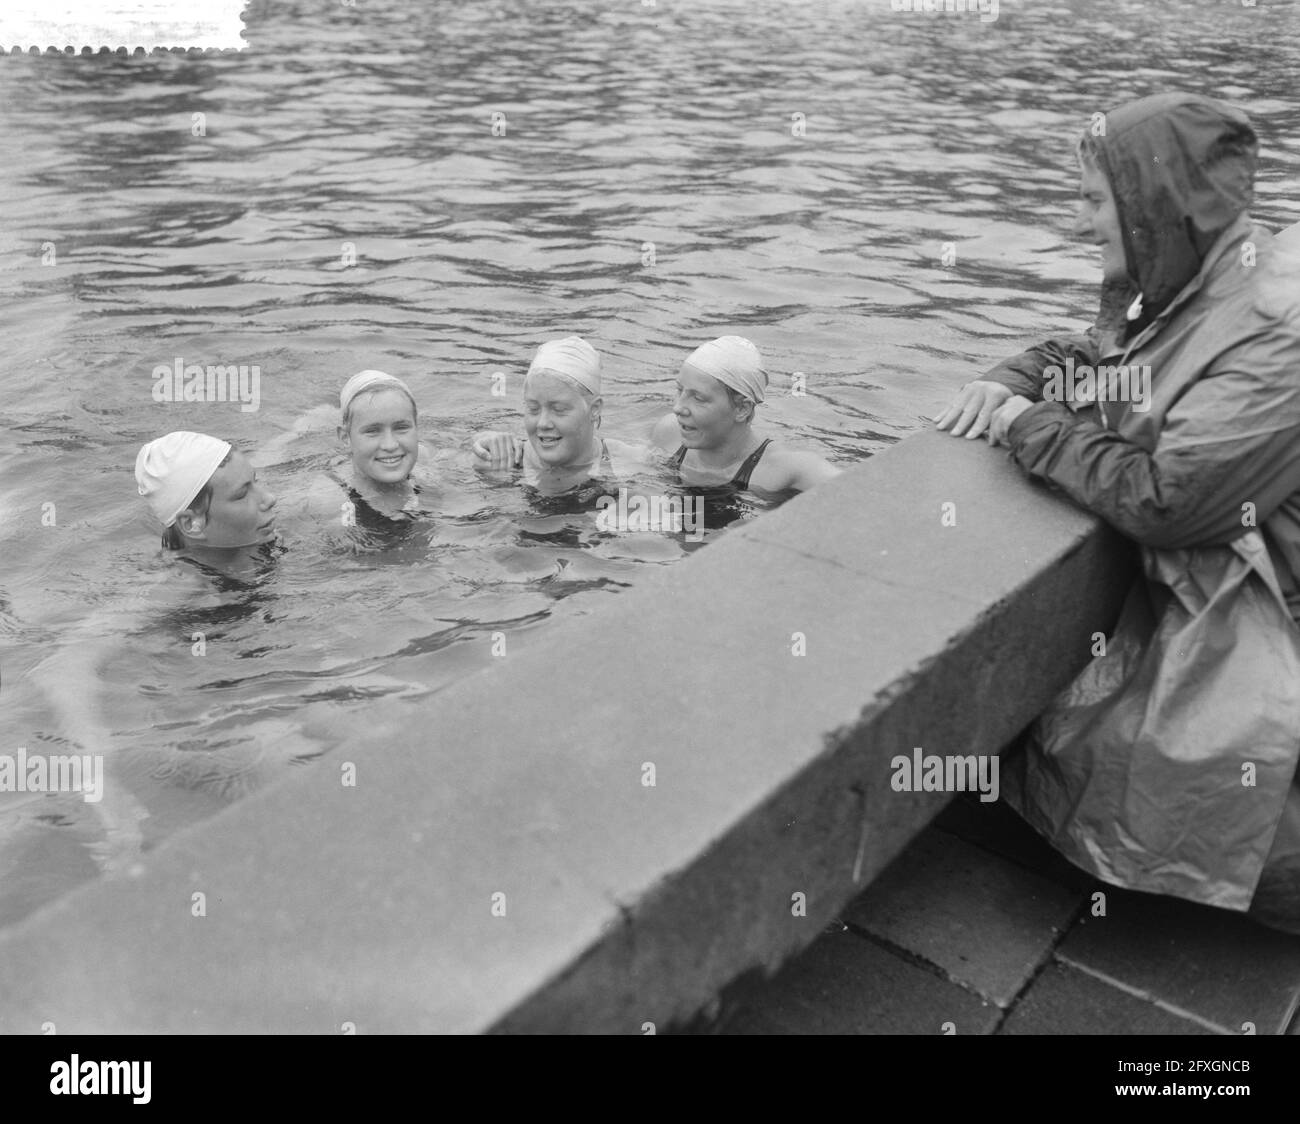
x,y
733,361
572,358
172,470
370,380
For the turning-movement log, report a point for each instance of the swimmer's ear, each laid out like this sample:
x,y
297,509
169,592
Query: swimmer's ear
x,y
343,436
596,404
191,523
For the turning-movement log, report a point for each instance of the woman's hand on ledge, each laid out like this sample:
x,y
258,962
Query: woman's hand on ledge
x,y
1004,415
972,410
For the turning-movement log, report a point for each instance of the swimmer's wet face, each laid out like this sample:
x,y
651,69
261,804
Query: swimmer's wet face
x,y
1098,219
240,511
559,419
708,410
382,435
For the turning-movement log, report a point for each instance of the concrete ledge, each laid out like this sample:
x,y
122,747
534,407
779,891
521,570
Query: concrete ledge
x,y
624,904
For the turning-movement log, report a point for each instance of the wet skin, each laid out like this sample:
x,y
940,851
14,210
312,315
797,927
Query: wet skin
x,y
382,437
241,512
708,423
560,425
1098,221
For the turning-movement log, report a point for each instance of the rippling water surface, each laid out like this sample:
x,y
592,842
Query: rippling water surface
x,y
624,123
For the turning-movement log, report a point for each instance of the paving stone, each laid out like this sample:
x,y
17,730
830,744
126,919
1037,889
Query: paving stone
x,y
846,984
985,921
1211,962
1064,1000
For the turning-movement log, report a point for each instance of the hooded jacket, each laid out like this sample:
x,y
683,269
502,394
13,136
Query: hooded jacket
x,y
1215,450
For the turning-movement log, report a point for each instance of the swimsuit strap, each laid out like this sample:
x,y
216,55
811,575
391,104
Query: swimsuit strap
x,y
606,465
741,480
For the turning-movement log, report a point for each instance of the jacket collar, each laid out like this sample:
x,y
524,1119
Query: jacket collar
x,y
1222,257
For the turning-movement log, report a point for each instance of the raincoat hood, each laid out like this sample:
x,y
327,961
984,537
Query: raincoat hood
x,y
1182,168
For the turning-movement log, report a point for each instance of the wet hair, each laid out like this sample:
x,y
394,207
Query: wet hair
x,y
198,505
370,392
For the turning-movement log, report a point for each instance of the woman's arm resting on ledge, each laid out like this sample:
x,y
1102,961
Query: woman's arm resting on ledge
x,y
1023,374
972,409
1232,440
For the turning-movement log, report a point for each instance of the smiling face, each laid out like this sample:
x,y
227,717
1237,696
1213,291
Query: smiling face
x,y
706,416
240,512
1098,221
382,435
559,421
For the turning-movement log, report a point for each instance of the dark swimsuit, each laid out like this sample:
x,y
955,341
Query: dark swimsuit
x,y
360,504
583,494
723,503
370,518
739,482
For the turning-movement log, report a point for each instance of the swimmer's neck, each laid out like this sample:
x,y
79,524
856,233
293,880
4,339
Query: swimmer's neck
x,y
582,463
738,445
365,484
228,558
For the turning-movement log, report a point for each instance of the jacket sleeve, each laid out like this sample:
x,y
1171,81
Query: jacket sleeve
x,y
1023,374
1232,439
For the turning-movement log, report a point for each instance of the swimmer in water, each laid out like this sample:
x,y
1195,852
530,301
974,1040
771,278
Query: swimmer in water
x,y
711,431
379,427
206,495
214,512
562,408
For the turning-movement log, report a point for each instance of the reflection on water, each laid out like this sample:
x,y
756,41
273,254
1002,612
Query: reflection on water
x,y
335,199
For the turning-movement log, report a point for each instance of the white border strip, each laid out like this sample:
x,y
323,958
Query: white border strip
x,y
59,24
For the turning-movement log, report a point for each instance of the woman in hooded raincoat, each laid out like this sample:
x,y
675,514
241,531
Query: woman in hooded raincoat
x,y
1170,764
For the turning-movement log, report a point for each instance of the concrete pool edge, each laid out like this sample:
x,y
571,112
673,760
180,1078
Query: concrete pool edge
x,y
501,862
